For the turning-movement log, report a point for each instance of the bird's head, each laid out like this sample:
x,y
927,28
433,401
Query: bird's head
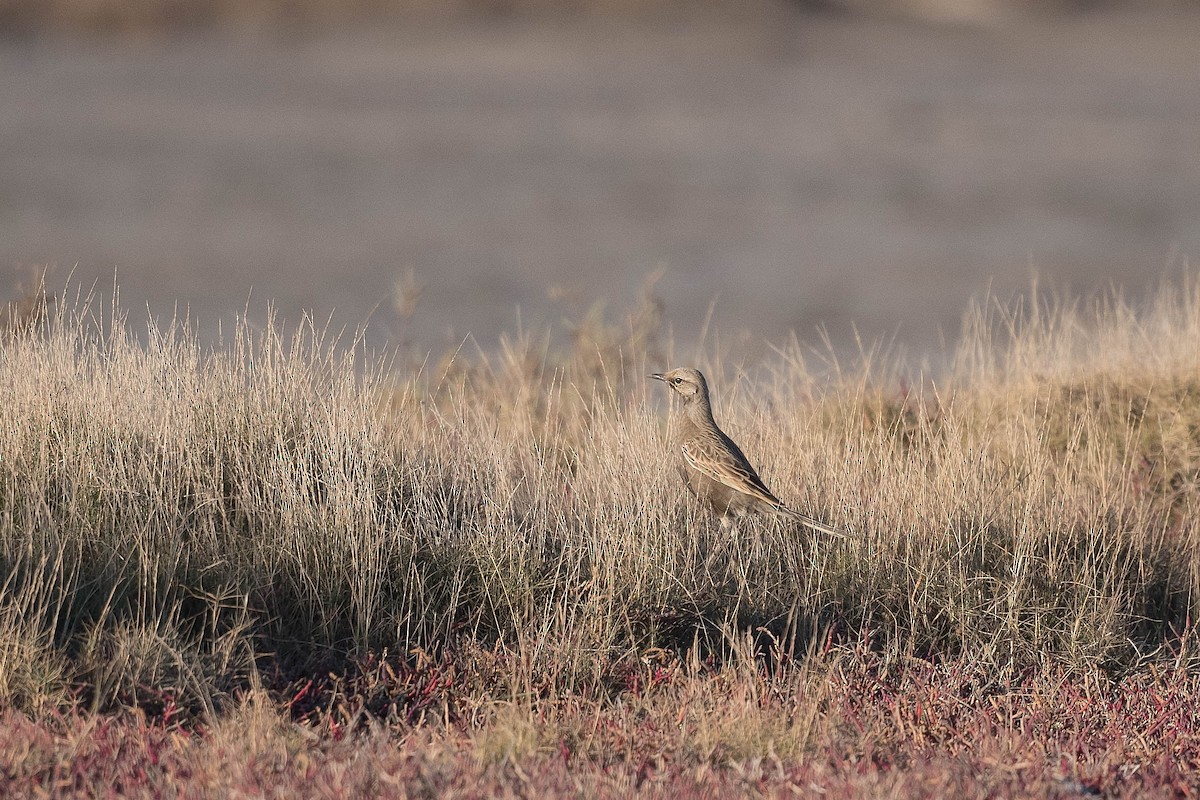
x,y
686,382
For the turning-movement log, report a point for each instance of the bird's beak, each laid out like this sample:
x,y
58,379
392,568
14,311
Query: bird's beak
x,y
658,376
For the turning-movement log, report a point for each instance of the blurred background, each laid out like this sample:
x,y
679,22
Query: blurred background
x,y
437,169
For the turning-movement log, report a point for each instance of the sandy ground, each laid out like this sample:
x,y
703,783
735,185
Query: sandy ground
x,y
802,170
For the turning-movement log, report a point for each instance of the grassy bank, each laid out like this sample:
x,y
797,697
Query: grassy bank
x,y
492,555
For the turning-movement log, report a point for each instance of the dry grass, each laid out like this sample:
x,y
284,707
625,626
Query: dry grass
x,y
182,528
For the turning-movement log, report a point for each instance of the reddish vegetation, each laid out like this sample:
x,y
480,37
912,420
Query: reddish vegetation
x,y
917,730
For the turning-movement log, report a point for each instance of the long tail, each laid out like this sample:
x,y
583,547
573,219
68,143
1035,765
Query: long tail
x,y
811,522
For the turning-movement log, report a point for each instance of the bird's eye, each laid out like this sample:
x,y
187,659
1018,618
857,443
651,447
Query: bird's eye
x,y
677,380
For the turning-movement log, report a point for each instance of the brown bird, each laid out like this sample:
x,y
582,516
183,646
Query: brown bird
x,y
713,466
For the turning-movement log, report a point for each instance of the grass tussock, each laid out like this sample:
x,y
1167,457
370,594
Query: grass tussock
x,y
498,546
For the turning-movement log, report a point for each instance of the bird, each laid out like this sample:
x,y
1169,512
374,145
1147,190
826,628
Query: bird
x,y
713,466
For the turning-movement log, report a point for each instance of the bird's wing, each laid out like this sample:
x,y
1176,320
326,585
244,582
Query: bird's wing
x,y
722,460
728,467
